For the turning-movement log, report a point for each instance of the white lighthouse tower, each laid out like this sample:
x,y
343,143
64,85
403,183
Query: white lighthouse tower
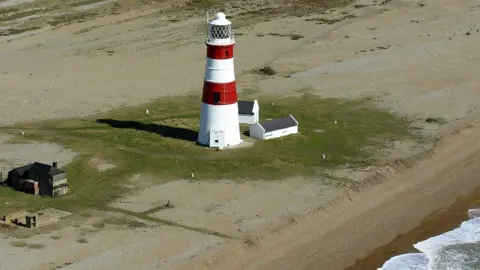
x,y
219,123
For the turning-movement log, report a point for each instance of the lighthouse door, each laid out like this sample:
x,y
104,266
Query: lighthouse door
x,y
217,138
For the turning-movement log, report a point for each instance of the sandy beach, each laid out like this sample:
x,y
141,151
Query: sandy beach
x,y
418,59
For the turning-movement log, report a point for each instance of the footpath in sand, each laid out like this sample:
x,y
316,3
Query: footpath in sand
x,y
417,58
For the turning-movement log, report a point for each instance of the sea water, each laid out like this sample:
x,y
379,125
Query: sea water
x,y
458,249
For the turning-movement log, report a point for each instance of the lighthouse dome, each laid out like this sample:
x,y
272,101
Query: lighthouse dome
x,y
220,19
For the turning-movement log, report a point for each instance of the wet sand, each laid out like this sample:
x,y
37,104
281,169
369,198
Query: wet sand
x,y
438,222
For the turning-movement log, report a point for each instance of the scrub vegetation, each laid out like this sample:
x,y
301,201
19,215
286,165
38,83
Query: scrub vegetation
x,y
162,143
32,16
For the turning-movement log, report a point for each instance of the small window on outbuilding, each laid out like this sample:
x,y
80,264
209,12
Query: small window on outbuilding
x,y
216,97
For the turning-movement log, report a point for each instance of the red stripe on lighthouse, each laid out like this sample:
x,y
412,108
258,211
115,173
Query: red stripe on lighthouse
x,y
220,51
219,93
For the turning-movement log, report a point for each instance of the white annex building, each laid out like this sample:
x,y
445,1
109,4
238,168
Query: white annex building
x,y
274,128
248,112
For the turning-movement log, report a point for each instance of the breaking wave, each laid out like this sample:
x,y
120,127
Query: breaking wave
x,y
458,249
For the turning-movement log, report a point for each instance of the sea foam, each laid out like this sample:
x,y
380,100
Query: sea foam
x,y
456,249
410,261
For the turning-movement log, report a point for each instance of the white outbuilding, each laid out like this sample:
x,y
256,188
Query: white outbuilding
x,y
274,128
248,112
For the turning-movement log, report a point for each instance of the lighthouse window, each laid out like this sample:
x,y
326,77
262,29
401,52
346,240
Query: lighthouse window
x,y
216,97
226,53
220,31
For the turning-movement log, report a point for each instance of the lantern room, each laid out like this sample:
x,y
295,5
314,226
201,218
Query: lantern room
x,y
220,31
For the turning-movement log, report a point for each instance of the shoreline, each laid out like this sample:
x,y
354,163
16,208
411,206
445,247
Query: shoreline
x,y
440,221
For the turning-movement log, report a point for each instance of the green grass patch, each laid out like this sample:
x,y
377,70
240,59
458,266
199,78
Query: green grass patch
x,y
291,36
19,244
84,3
119,221
8,10
98,225
249,92
331,21
130,223
15,31
162,143
35,246
19,15
295,8
71,18
204,3
82,241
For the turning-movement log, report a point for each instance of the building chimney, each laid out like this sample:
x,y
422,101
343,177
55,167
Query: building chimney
x,y
54,164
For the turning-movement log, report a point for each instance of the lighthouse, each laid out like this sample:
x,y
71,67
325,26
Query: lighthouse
x,y
219,123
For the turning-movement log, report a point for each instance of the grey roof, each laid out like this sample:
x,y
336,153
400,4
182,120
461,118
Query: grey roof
x,y
39,168
45,168
245,107
23,169
279,124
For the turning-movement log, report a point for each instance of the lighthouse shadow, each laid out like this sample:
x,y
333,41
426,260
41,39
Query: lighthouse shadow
x,y
162,130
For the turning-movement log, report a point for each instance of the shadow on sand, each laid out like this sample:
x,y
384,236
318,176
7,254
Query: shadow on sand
x,y
162,130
